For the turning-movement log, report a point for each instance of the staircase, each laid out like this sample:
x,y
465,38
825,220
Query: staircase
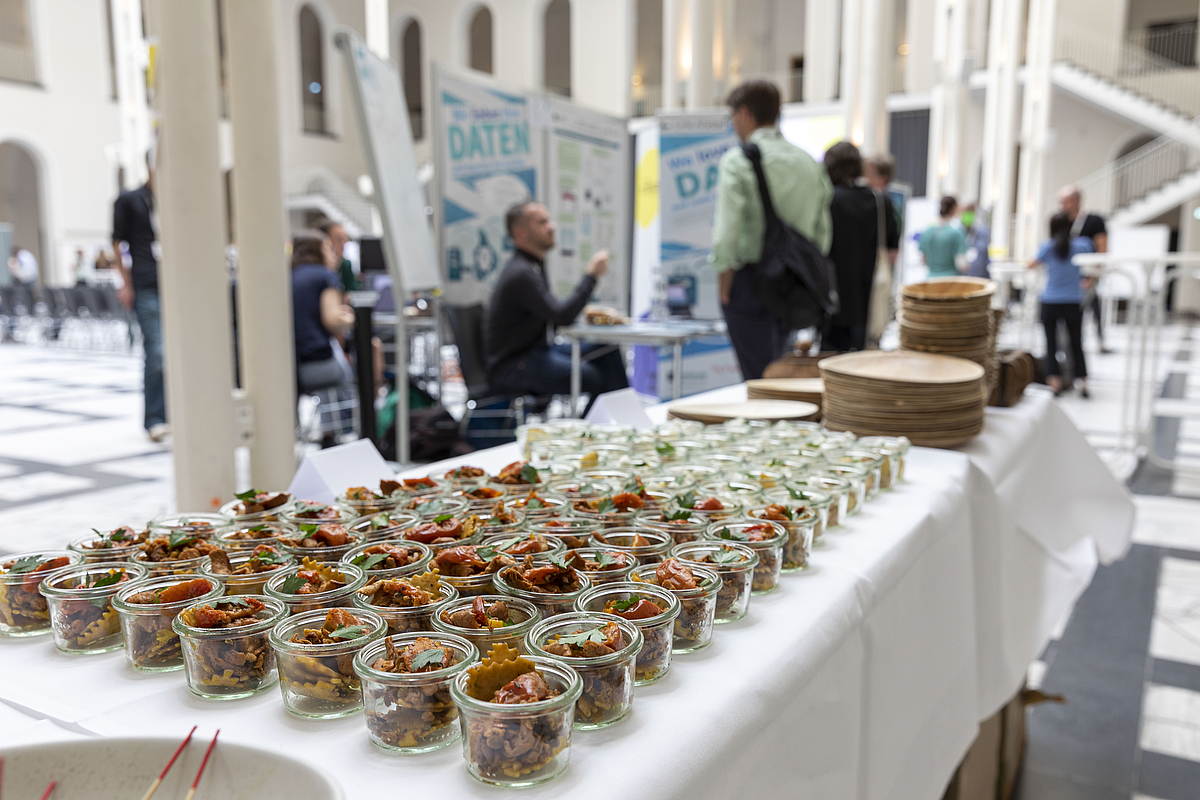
x,y
1161,94
332,198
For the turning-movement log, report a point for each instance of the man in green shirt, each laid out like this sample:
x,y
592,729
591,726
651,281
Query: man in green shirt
x,y
800,191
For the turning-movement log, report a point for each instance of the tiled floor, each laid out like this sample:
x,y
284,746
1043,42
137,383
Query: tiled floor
x,y
73,456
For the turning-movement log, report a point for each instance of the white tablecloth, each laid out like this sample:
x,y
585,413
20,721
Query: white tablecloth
x,y
865,677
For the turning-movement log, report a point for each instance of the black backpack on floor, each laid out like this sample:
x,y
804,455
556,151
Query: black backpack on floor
x,y
794,279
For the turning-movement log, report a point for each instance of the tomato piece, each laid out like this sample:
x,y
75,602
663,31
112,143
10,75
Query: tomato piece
x,y
710,504
672,574
185,591
643,609
627,500
527,688
479,609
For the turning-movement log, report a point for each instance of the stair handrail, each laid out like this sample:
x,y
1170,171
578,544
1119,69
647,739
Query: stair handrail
x,y
1117,60
1133,176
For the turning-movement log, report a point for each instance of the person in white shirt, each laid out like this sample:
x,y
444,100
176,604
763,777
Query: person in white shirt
x,y
24,266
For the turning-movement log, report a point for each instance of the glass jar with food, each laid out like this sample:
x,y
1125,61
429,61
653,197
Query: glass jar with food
x,y
147,609
870,461
384,525
445,531
602,649
315,652
611,511
390,558
500,520
838,490
734,563
519,544
647,545
728,464
765,538
245,571
519,474
516,714
365,501
573,532
226,645
429,508
80,603
696,588
800,521
247,535
575,488
537,506
175,553
424,486
550,583
463,477
856,477
469,568
253,506
683,451
681,524
652,609
741,490
314,585
894,449
488,620
710,506
321,541
407,603
406,689
23,610
601,564
310,512
481,498
119,544
200,525
801,495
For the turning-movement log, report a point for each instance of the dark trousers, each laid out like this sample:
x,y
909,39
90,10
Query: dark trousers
x,y
1092,303
758,336
843,339
146,308
1071,314
547,370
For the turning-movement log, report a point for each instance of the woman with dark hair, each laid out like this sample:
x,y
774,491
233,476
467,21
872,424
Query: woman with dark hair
x,y
1061,299
318,313
858,214
944,244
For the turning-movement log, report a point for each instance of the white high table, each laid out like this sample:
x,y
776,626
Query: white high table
x,y
864,677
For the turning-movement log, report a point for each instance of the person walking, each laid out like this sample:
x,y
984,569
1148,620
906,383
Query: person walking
x,y
1092,228
133,224
943,244
522,309
1061,299
857,213
979,239
24,267
800,192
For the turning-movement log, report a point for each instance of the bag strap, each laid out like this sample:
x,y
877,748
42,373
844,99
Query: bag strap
x,y
752,152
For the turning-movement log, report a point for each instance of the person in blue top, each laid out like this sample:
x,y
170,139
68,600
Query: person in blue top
x,y
944,244
1061,299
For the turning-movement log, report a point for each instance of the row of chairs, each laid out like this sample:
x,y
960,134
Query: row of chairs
x,y
80,316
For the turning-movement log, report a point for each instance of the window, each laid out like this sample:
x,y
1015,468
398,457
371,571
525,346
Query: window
x,y
17,62
312,71
410,74
556,47
480,40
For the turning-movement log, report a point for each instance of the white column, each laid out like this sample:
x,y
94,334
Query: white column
x,y
376,18
672,14
264,284
193,284
874,74
1035,129
948,100
601,33
129,55
822,33
1000,120
700,34
851,67
936,163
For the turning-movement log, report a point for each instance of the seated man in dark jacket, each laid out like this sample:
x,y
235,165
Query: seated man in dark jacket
x,y
516,338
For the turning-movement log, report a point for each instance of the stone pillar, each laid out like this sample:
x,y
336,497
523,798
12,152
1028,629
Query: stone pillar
x,y
700,34
822,20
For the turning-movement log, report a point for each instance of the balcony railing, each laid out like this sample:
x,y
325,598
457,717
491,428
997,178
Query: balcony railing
x,y
1138,174
1131,66
645,99
1174,44
18,63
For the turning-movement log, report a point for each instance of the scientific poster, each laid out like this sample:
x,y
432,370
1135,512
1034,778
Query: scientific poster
x,y
587,174
488,157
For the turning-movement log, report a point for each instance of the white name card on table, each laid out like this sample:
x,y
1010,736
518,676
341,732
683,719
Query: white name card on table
x,y
623,406
327,473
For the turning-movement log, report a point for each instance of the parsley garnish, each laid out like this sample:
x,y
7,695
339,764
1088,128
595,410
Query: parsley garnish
x,y
605,505
109,579
727,555
249,494
664,448
625,605
380,521
432,656
428,507
685,514
351,632
579,638
534,503
736,536
309,527
440,518
486,553
27,564
686,500
528,473
180,539
234,602
560,560
268,557
292,584
257,528
368,561
604,560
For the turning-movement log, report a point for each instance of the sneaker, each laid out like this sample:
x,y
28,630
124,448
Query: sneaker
x,y
159,432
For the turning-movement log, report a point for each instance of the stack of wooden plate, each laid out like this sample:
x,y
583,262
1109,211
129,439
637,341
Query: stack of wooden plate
x,y
806,390
951,316
715,413
934,400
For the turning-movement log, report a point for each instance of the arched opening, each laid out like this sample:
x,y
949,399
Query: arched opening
x,y
556,47
1133,184
21,200
480,40
647,59
410,74
312,71
16,43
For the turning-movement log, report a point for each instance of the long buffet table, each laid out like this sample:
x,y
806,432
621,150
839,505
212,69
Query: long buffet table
x,y
865,676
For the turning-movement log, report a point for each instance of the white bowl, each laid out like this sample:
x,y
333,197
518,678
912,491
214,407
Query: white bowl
x,y
120,769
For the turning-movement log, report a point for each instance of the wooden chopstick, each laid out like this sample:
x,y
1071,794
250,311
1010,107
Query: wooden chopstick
x,y
158,781
192,792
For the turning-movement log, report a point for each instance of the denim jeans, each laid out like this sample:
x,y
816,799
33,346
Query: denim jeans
x,y
145,307
547,370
